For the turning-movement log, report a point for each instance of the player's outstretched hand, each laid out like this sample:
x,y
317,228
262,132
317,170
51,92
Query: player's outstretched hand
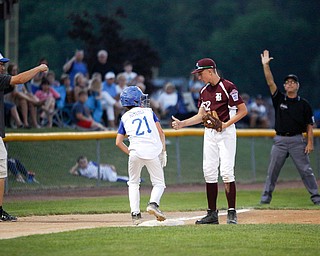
x,y
265,58
176,124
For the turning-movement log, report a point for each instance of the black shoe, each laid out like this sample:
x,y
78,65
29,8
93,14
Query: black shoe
x,y
232,217
317,203
7,217
210,218
264,202
136,218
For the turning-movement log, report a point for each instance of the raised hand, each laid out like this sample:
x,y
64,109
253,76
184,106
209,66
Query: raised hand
x,y
265,58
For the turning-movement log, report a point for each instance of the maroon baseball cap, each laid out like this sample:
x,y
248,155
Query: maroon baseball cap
x,y
203,64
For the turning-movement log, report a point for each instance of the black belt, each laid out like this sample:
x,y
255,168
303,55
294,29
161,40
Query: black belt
x,y
287,134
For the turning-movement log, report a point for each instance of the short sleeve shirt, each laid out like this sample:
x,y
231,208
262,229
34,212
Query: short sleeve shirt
x,y
140,126
222,97
4,86
291,115
78,107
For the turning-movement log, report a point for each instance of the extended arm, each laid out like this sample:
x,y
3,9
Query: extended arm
x,y
27,75
177,124
265,60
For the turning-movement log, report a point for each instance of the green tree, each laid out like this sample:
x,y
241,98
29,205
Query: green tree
x,y
105,34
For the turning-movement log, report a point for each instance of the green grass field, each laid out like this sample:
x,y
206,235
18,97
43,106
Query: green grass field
x,y
52,160
249,239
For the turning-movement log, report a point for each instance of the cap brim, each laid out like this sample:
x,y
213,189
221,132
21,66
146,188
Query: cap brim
x,y
295,78
4,60
197,71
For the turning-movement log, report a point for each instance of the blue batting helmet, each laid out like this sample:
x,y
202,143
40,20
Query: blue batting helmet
x,y
131,97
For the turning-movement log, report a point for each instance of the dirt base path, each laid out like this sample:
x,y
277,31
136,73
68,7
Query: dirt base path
x,y
58,223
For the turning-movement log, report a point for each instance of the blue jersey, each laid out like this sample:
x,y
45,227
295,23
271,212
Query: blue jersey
x,y
140,126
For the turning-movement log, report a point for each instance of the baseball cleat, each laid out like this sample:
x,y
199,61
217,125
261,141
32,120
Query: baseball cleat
x,y
153,209
7,217
210,218
136,218
232,217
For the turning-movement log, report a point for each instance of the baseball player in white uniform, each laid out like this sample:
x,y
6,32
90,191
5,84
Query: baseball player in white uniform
x,y
219,148
147,148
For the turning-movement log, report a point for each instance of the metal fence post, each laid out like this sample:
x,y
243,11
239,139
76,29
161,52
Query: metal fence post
x,y
98,162
253,159
178,160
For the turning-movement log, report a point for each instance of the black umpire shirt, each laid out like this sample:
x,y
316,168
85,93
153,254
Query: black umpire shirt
x,y
291,115
5,87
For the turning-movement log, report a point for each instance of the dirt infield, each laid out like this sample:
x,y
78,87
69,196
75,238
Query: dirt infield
x,y
58,223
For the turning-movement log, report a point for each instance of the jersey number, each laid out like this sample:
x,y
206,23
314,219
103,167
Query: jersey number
x,y
140,130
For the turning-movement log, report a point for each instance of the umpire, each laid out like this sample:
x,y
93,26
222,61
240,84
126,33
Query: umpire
x,y
293,116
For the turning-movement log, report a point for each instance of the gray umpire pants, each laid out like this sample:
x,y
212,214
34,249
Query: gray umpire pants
x,y
294,146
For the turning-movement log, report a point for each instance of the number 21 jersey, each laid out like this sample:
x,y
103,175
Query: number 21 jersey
x,y
140,126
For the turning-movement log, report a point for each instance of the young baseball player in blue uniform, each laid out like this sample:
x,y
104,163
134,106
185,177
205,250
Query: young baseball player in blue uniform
x,y
147,148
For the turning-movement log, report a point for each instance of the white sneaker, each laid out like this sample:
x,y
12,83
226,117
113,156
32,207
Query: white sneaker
x,y
153,209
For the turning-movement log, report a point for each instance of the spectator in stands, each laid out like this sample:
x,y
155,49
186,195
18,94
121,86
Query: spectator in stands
x,y
101,66
89,169
65,81
121,85
94,98
19,171
110,99
81,114
51,76
80,84
194,87
258,113
76,65
168,100
109,84
60,87
47,97
10,110
140,82
128,73
34,84
26,102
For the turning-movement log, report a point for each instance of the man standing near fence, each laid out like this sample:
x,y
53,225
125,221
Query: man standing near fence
x,y
293,116
7,84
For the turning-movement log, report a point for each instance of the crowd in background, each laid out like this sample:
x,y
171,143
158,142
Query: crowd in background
x,y
88,98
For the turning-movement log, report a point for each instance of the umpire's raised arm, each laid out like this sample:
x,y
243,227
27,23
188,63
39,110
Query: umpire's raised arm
x,y
265,59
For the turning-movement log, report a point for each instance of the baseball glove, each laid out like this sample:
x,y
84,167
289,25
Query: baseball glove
x,y
212,121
